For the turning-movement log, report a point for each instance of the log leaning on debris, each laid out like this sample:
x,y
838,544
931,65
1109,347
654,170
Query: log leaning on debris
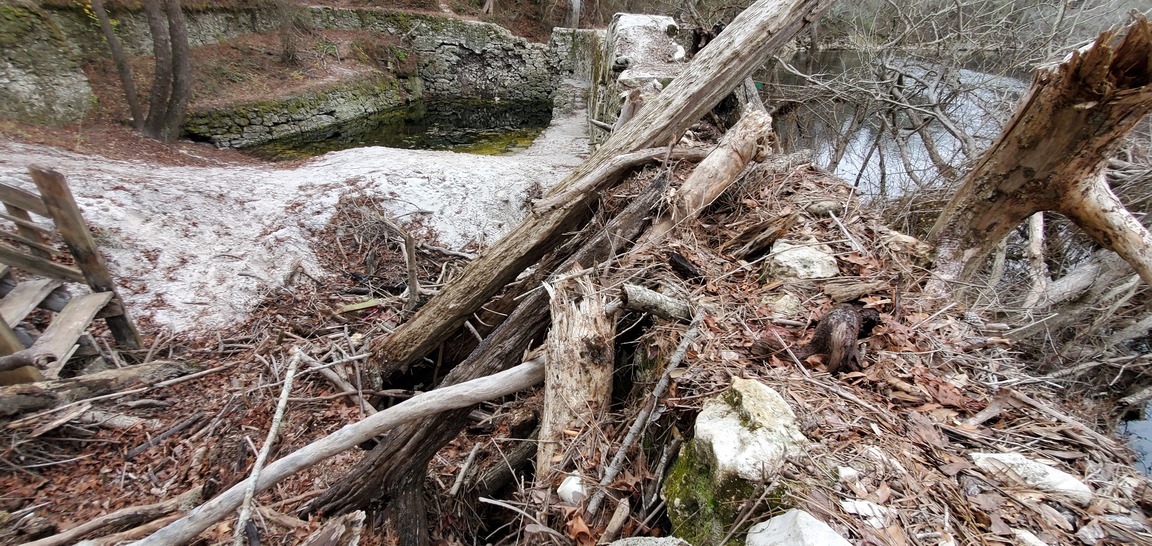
x,y
763,27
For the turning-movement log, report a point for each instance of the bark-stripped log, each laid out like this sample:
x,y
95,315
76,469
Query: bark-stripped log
x,y
577,369
749,139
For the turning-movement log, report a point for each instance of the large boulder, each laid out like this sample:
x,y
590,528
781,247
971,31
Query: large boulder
x,y
743,437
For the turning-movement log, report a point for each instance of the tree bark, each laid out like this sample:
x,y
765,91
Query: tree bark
x,y
181,71
764,26
122,67
1051,156
161,71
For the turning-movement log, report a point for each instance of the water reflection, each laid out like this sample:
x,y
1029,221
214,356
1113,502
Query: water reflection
x,y
465,126
889,123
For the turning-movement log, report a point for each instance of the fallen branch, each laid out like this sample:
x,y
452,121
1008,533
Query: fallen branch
x,y
424,405
273,431
125,516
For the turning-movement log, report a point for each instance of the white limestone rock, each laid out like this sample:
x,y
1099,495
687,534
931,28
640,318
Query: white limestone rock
x,y
572,490
1014,467
1025,537
794,528
650,541
748,431
784,306
873,514
789,260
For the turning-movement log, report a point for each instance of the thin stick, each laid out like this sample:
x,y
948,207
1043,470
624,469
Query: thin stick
x,y
642,419
273,431
464,471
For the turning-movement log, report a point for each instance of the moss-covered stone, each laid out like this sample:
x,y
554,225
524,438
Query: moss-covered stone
x,y
703,511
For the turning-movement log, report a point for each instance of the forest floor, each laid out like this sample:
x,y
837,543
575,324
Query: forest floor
x,y
230,262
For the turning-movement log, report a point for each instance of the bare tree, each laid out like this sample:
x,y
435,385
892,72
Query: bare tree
x,y
172,73
120,59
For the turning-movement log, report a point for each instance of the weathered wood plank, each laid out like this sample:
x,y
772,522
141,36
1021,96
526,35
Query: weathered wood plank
x,y
15,258
67,327
28,229
27,296
35,247
70,223
24,199
20,217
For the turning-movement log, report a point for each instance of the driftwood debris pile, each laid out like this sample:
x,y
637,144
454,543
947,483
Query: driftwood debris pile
x,y
642,286
650,310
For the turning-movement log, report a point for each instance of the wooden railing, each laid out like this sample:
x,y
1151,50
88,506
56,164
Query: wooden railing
x,y
33,248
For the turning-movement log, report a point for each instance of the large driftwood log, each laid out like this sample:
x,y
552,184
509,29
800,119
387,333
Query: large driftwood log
x,y
577,370
17,399
1052,155
430,403
749,139
766,25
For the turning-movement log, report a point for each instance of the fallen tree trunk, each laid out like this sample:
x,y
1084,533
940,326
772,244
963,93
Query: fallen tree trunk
x,y
766,25
463,395
1052,156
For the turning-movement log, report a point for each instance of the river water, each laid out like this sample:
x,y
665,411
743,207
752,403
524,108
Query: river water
x,y
847,108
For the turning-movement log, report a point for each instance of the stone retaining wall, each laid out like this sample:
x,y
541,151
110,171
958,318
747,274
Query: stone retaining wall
x,y
255,123
40,77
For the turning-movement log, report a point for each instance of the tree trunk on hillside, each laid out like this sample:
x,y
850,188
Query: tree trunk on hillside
x,y
1052,156
713,73
122,67
162,68
181,70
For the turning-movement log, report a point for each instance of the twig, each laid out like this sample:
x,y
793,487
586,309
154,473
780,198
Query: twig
x,y
638,425
1105,442
273,431
543,527
340,383
192,376
464,471
163,436
852,240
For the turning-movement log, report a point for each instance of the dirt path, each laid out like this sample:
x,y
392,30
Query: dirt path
x,y
194,248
